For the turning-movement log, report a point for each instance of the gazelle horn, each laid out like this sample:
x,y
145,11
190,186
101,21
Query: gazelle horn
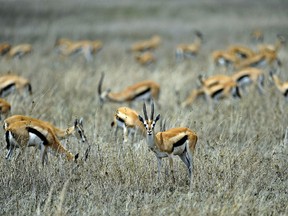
x,y
100,84
145,112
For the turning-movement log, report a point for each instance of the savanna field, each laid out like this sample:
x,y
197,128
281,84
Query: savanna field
x,y
240,161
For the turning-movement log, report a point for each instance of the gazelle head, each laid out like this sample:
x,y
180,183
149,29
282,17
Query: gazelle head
x,y
102,94
79,130
149,124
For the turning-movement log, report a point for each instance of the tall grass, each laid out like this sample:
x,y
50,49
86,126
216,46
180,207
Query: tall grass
x,y
240,163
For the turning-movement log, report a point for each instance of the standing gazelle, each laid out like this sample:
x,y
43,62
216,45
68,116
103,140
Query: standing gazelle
x,y
145,90
77,129
179,141
127,119
21,134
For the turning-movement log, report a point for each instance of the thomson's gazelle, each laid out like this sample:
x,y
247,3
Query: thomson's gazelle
x,y
128,120
22,134
77,129
145,90
176,141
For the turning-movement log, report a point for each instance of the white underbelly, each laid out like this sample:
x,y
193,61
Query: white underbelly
x,y
145,96
34,140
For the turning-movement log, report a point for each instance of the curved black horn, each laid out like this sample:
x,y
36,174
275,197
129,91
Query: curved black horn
x,y
100,84
152,110
145,112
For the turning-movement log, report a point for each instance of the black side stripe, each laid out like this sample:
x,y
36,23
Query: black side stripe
x,y
242,77
180,142
39,134
7,139
120,119
141,93
3,91
286,93
214,94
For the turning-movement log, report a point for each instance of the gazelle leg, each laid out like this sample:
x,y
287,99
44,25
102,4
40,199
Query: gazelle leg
x,y
43,154
125,134
159,164
171,167
10,152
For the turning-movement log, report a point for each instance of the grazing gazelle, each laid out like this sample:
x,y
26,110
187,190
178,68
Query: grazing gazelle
x,y
248,76
10,83
145,90
127,119
20,50
188,50
77,129
146,45
241,51
223,58
5,108
85,47
21,134
214,80
214,93
281,86
145,58
179,141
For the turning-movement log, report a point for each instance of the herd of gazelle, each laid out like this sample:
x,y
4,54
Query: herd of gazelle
x,y
240,56
22,131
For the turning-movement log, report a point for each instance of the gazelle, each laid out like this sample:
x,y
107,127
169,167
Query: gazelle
x,y
280,42
188,50
146,45
5,108
257,36
4,48
281,86
179,141
127,119
145,90
10,83
214,93
224,58
21,134
77,129
20,50
248,76
86,47
145,58
214,80
241,51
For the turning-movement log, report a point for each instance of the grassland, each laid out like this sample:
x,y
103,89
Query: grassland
x,y
240,163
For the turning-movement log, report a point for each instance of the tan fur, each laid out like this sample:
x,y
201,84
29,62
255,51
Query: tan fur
x,y
191,49
241,51
5,107
131,121
146,45
145,58
19,82
20,50
4,48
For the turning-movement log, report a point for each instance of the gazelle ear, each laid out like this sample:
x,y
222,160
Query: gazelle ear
x,y
140,118
157,118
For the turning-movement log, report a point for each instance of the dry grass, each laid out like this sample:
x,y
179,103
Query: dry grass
x,y
240,163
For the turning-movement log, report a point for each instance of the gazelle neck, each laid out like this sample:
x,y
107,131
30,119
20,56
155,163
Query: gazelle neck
x,y
66,132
